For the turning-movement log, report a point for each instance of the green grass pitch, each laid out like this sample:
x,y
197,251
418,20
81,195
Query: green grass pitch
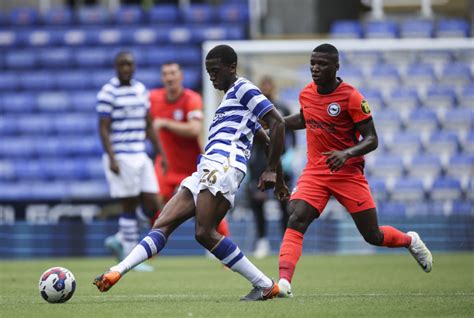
x,y
324,286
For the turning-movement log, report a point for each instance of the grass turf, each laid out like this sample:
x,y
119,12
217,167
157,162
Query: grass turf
x,y
324,286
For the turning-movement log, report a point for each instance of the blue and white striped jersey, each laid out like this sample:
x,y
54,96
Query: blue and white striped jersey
x,y
128,107
235,123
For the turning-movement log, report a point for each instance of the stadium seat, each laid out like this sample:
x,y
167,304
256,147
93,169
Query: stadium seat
x,y
112,36
8,125
94,189
75,37
405,143
29,170
419,75
401,59
456,73
188,55
149,36
13,147
164,14
408,189
128,14
461,167
425,166
35,125
444,189
24,16
468,143
462,208
58,16
55,57
53,102
192,77
460,120
42,80
7,171
101,77
416,29
233,13
9,81
22,103
403,99
199,13
392,209
346,29
20,59
74,80
96,15
157,56
8,39
95,168
381,30
59,169
422,120
353,75
452,28
378,188
387,120
50,147
49,190
387,166
437,58
440,97
86,145
84,101
467,96
96,57
77,124
442,143
384,77
149,77
364,59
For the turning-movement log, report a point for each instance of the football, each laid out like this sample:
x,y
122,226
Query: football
x,y
57,285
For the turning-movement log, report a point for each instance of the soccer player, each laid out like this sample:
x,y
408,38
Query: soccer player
x,y
334,114
176,114
209,192
122,105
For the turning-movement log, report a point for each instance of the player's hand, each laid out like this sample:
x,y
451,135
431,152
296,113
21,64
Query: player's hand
x,y
267,180
281,191
159,123
114,167
336,159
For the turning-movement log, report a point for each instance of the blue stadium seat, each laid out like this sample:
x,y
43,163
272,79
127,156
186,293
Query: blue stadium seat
x,y
462,208
422,120
387,166
440,97
346,29
446,189
95,189
416,29
84,101
111,36
74,80
192,77
460,167
39,38
23,103
14,147
53,102
49,147
77,124
24,16
35,125
149,77
387,120
235,32
8,39
233,13
29,170
437,58
188,55
60,169
94,168
456,73
353,75
42,80
385,77
468,143
93,57
55,57
49,190
405,143
7,171
149,36
156,56
460,120
96,15
401,59
164,14
425,166
378,188
390,209
9,81
14,191
75,37
408,189
85,145
364,59
442,143
100,77
452,28
381,30
20,59
199,13
403,98
420,75
8,125
128,14
467,96
58,16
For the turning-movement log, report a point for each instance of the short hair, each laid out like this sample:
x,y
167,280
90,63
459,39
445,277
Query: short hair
x,y
328,49
223,52
122,53
171,62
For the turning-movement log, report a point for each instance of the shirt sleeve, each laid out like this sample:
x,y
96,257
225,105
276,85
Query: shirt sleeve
x,y
194,107
358,107
105,103
251,97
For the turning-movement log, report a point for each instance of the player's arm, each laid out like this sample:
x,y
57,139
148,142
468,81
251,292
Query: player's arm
x,y
104,130
150,134
295,121
336,159
276,126
189,129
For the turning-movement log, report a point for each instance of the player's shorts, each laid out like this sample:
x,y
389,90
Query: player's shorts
x,y
137,175
351,190
216,177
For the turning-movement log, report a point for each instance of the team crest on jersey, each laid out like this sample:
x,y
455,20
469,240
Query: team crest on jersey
x,y
365,107
178,115
334,109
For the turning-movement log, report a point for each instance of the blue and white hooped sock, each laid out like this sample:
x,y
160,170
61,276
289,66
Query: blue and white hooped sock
x,y
128,229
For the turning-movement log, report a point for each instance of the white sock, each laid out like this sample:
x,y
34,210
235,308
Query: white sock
x,y
247,269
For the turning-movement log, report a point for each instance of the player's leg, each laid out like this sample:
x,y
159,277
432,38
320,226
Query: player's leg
x,y
179,209
257,200
210,210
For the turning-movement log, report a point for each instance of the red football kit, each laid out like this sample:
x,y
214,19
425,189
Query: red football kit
x,y
331,125
181,152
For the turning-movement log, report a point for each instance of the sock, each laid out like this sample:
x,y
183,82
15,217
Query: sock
x,y
290,252
223,228
231,256
151,244
128,229
394,238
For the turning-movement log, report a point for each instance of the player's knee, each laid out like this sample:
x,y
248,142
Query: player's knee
x,y
374,238
202,235
300,221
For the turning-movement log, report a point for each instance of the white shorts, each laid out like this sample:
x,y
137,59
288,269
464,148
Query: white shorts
x,y
216,177
137,175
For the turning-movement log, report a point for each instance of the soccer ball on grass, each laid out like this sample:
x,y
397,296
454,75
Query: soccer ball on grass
x,y
57,285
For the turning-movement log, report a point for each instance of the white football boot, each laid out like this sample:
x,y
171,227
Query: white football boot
x,y
285,289
420,252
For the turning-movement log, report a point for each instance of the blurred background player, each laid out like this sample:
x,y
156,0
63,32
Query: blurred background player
x,y
335,115
177,116
124,120
256,166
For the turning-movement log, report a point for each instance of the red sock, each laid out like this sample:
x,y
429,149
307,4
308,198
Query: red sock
x,y
290,253
394,238
223,228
